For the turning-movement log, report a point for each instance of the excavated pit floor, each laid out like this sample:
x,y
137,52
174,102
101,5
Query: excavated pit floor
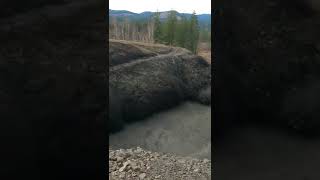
x,y
184,130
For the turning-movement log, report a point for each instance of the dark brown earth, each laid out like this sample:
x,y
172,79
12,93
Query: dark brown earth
x,y
155,78
266,59
53,89
264,51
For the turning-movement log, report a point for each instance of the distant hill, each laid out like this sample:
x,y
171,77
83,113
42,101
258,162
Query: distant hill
x,y
204,19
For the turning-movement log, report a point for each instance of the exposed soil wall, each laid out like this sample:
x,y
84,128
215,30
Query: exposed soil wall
x,y
264,50
53,89
151,84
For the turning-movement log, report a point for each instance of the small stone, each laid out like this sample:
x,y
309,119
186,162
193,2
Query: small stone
x,y
124,166
121,175
158,176
139,150
136,168
119,159
113,168
142,175
206,161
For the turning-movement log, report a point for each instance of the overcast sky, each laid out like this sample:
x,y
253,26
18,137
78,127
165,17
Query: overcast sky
x,y
182,6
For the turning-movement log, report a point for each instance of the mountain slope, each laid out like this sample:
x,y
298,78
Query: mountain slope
x,y
204,19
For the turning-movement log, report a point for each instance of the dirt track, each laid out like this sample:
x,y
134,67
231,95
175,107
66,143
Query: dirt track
x,y
173,52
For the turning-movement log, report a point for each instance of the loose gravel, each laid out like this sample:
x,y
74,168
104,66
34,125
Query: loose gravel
x,y
137,164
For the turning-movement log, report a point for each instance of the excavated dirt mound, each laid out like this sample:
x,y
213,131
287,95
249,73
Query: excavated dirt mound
x,y
53,89
150,84
264,50
123,51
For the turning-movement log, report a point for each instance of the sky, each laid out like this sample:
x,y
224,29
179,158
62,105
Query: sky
x,y
182,6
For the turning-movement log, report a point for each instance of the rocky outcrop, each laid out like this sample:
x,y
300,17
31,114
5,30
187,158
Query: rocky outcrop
x,y
53,89
264,49
151,84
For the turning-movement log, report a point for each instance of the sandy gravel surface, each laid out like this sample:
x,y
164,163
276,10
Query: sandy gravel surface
x,y
184,130
141,164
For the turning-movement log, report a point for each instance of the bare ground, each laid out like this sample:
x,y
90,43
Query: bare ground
x,y
204,51
161,67
135,164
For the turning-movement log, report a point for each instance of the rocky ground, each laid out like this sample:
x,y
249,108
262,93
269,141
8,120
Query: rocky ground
x,y
141,164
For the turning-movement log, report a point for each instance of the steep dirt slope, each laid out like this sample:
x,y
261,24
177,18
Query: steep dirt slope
x,y
53,89
150,83
265,51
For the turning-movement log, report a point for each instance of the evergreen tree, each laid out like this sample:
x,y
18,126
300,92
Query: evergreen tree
x,y
171,27
181,34
194,33
157,28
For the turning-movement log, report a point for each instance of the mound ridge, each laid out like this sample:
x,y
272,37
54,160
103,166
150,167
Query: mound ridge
x,y
156,82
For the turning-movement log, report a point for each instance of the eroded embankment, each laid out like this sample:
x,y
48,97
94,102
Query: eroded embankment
x,y
52,89
265,51
144,86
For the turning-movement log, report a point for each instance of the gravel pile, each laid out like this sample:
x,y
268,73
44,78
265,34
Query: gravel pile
x,y
141,164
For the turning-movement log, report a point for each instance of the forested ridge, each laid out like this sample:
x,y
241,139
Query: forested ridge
x,y
175,30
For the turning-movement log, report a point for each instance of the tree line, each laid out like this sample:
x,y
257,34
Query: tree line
x,y
184,32
174,31
124,29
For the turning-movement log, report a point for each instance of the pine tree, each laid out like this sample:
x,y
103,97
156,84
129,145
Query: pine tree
x,y
181,34
171,27
194,33
157,28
